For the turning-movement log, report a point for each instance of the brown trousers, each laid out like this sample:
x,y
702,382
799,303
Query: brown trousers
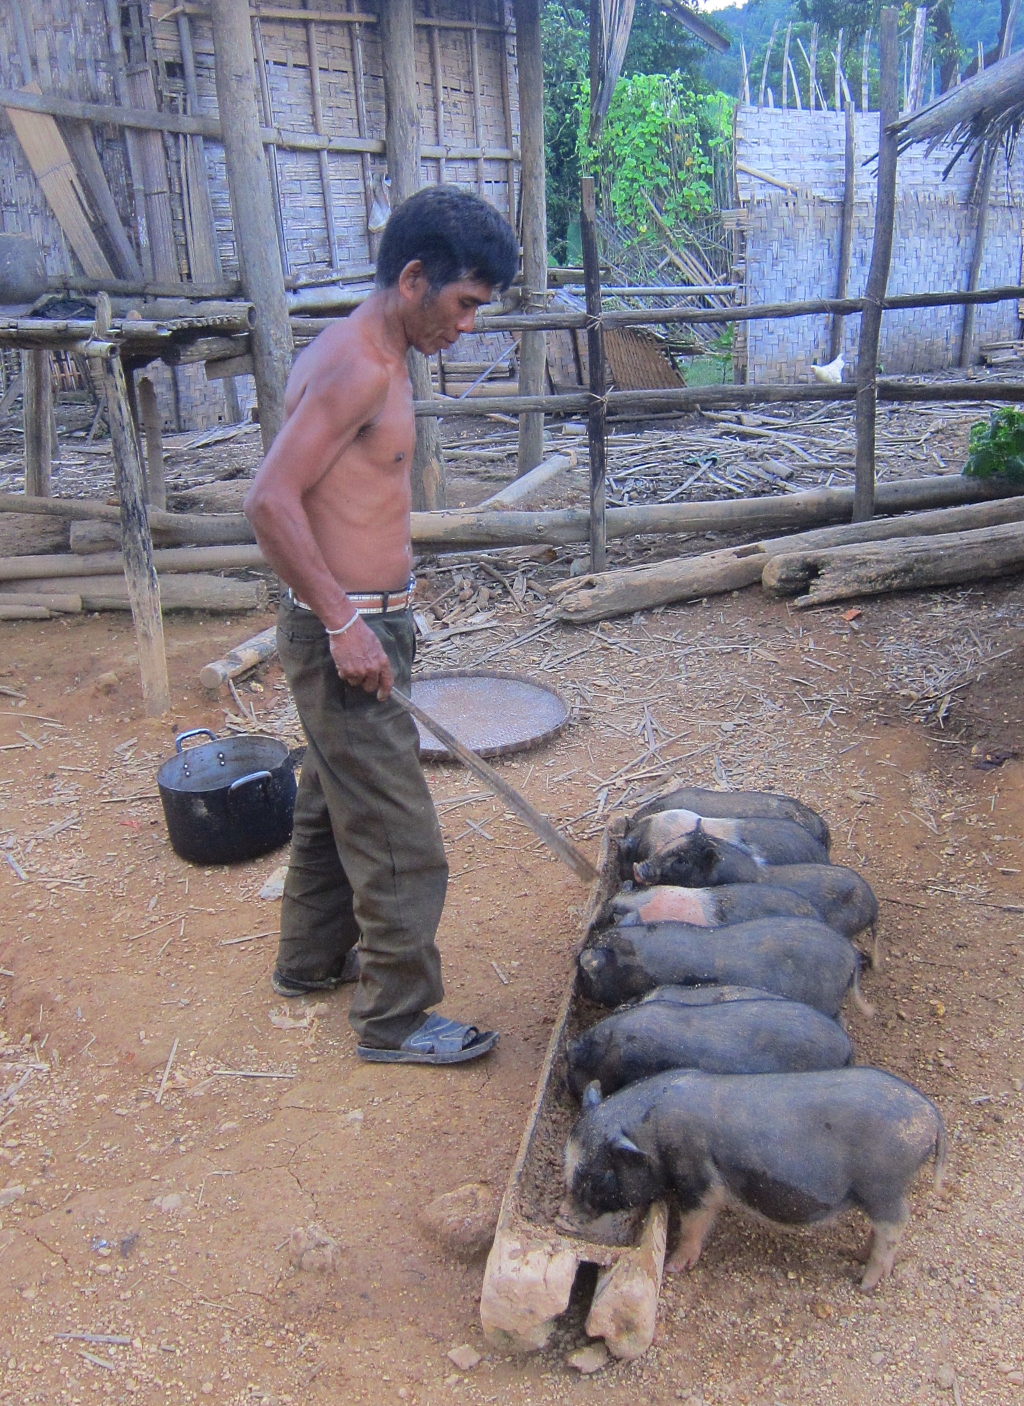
x,y
367,860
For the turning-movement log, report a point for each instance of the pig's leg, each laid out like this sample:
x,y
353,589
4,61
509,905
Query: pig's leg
x,y
885,1241
694,1228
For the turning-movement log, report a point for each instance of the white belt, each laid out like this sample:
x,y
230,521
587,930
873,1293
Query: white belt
x,y
369,602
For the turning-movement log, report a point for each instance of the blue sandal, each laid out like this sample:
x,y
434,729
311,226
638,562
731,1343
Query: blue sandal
x,y
437,1041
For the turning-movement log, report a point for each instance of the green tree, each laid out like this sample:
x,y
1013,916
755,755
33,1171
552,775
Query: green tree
x,y
657,44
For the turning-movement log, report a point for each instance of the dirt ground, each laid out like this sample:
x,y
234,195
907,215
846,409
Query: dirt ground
x,y
165,1225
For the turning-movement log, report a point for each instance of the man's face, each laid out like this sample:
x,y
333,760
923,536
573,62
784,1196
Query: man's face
x,y
436,318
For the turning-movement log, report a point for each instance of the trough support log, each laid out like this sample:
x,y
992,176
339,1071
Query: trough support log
x,y
402,140
624,1308
37,409
846,234
533,210
259,258
878,272
137,544
149,412
597,414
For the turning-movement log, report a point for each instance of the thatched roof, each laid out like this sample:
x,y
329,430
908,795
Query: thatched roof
x,y
987,108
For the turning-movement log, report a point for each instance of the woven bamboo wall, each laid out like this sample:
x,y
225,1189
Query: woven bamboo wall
x,y
792,241
71,52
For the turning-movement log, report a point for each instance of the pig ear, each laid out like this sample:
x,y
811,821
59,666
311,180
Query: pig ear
x,y
627,1147
592,1094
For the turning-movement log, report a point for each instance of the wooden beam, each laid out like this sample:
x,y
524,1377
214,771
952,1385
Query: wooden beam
x,y
267,107
37,411
878,272
259,258
533,345
597,413
326,185
398,54
80,139
281,12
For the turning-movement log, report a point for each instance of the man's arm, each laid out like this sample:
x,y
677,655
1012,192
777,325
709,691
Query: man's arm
x,y
319,430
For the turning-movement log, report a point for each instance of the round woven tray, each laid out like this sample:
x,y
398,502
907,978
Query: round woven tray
x,y
491,712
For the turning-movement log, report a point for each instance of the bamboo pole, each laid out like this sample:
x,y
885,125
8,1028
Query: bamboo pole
x,y
533,345
253,211
846,233
316,100
119,69
37,415
362,127
990,158
435,72
865,75
477,107
764,68
267,106
506,107
398,52
188,63
597,412
878,272
786,66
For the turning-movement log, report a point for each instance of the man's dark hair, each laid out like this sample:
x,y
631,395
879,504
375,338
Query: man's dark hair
x,y
453,234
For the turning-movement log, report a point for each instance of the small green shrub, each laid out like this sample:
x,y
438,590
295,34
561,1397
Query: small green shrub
x,y
998,447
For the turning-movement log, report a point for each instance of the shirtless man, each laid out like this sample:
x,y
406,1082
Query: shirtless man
x,y
330,507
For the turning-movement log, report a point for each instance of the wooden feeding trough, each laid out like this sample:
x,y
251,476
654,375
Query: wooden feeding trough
x,y
534,1259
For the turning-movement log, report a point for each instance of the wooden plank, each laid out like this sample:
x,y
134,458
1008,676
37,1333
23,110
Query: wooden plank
x,y
51,163
79,137
37,413
597,414
533,215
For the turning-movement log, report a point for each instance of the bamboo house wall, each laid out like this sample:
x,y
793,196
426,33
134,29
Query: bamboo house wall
x,y
321,86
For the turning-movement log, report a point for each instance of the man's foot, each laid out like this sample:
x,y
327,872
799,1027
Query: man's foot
x,y
437,1041
292,986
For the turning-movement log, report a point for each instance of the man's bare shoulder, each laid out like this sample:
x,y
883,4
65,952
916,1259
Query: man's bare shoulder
x,y
342,361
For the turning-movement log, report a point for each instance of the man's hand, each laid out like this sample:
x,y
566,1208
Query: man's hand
x,y
360,660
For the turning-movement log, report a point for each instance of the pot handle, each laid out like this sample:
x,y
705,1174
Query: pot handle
x,y
193,732
245,780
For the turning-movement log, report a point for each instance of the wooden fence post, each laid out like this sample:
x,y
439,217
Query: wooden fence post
x,y
533,345
37,412
136,539
598,412
878,272
402,141
252,210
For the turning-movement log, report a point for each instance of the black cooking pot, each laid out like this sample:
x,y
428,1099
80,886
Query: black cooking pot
x,y
228,800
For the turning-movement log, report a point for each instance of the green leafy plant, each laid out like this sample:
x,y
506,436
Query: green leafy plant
x,y
657,145
998,447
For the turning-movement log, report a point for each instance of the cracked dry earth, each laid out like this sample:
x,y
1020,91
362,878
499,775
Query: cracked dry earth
x,y
157,1232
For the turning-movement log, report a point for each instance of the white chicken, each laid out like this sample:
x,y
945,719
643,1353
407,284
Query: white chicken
x,y
832,374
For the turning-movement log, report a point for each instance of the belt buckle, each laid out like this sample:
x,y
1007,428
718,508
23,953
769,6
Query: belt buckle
x,y
385,596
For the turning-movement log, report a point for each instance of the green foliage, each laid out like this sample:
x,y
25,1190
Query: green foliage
x,y
657,44
658,144
998,447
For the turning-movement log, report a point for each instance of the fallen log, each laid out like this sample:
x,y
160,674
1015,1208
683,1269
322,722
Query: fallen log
x,y
902,564
245,656
521,488
168,559
212,528
452,531
198,592
57,603
607,594
28,532
17,611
